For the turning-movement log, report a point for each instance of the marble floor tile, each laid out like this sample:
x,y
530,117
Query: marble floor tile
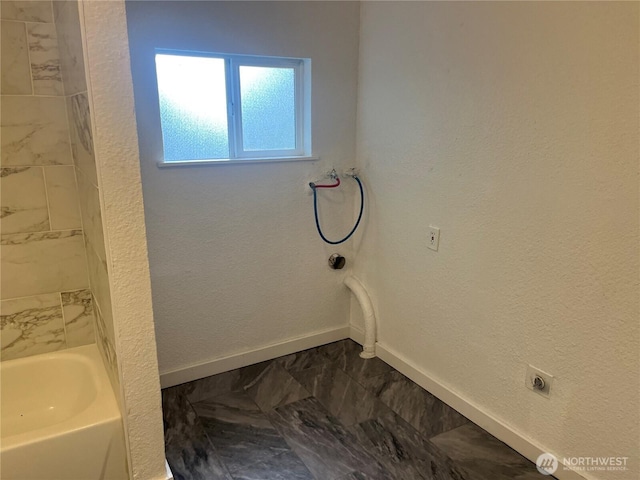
x,y
31,325
483,456
403,451
286,466
212,386
351,423
346,355
249,375
328,450
240,432
234,380
176,409
77,310
226,382
425,412
342,396
304,359
358,476
275,387
189,452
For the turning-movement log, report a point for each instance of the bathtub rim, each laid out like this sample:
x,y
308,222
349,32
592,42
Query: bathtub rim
x,y
103,409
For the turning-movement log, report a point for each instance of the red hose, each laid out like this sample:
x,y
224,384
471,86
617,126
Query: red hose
x,y
337,184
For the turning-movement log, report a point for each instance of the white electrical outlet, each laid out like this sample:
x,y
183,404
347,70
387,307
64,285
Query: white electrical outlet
x,y
433,240
538,381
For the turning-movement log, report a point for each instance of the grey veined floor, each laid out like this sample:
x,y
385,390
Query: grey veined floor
x,y
326,414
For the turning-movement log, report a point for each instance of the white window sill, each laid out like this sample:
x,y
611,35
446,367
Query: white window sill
x,y
234,161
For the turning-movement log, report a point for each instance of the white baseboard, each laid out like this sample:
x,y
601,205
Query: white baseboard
x,y
515,439
242,359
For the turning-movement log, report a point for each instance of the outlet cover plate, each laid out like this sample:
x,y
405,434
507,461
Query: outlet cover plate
x,y
433,238
531,374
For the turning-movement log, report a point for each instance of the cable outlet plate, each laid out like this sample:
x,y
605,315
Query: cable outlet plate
x,y
433,238
530,377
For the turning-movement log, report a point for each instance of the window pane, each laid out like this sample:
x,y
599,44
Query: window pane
x,y
267,96
193,107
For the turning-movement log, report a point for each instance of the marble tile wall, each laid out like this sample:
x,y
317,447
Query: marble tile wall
x,y
44,58
107,351
16,78
68,30
67,21
30,57
42,262
77,310
45,323
27,11
54,288
31,325
45,290
34,131
22,212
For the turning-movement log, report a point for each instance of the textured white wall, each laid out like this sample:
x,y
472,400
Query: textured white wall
x,y
235,261
118,168
514,128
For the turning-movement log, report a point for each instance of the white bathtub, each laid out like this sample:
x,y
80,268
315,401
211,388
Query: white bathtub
x,y
59,419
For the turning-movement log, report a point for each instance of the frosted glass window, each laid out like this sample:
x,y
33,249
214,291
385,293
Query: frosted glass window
x,y
193,107
268,99
216,107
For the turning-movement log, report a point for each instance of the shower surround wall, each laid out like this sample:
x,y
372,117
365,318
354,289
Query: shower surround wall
x,y
55,291
46,302
67,20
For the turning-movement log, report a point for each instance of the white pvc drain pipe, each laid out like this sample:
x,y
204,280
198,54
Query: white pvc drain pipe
x,y
356,287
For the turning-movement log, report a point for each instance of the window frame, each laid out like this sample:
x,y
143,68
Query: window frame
x,y
237,153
